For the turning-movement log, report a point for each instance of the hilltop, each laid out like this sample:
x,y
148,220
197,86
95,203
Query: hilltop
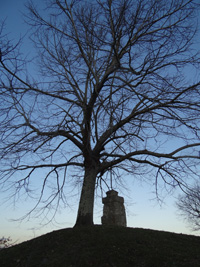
x,y
105,246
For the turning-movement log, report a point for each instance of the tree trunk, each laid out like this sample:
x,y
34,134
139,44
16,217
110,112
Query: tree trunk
x,y
86,204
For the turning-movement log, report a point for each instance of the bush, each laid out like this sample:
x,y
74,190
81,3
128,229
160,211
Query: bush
x,y
5,242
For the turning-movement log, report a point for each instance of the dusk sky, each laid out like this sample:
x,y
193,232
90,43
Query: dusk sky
x,y
142,208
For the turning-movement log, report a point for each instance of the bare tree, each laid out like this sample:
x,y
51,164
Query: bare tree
x,y
111,89
189,206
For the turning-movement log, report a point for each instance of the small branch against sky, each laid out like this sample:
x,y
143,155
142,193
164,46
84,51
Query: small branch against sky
x,y
114,81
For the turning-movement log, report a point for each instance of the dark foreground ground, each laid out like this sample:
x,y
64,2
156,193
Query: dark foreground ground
x,y
105,246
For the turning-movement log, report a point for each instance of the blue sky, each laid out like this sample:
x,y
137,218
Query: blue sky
x,y
141,207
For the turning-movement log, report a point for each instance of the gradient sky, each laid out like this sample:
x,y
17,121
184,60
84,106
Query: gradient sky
x,y
142,209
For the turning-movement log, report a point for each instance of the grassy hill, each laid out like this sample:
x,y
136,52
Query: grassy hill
x,y
105,246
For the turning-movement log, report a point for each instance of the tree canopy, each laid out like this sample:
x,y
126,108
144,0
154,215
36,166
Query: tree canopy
x,y
114,89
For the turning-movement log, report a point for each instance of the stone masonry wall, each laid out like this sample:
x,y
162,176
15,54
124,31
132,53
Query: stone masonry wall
x,y
114,210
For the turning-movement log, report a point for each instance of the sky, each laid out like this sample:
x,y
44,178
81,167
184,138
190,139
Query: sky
x,y
142,209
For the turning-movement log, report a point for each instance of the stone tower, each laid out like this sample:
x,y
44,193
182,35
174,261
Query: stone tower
x,y
113,210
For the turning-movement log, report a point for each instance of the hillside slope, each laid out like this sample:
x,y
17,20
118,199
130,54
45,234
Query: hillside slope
x,y
105,246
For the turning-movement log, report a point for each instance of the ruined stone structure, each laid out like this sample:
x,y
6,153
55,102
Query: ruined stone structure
x,y
114,210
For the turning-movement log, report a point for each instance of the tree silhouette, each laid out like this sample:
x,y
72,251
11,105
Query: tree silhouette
x,y
110,87
189,206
